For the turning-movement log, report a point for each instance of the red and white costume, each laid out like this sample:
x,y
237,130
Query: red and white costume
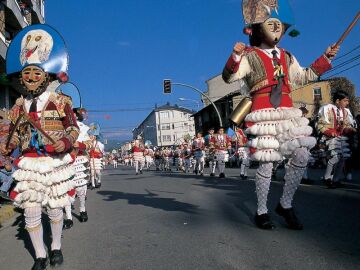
x,y
222,144
149,157
198,146
243,152
138,154
282,131
96,154
336,125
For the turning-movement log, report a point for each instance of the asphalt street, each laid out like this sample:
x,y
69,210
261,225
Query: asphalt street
x,y
170,220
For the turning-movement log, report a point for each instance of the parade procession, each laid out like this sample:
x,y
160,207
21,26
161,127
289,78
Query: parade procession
x,y
112,157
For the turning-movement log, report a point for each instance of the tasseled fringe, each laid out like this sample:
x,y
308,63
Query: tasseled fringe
x,y
46,179
81,160
79,176
294,133
80,168
276,127
43,164
264,142
273,114
80,182
289,147
268,155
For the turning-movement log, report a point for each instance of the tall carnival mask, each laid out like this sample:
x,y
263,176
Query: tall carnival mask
x,y
36,57
272,30
274,17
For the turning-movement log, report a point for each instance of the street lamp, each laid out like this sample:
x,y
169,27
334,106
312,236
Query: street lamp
x,y
189,99
201,93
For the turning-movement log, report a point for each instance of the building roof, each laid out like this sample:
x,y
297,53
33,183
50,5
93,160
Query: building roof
x,y
175,107
230,95
166,107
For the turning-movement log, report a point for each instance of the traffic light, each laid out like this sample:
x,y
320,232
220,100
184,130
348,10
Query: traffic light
x,y
167,86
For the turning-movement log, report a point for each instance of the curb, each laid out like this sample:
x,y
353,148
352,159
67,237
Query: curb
x,y
6,213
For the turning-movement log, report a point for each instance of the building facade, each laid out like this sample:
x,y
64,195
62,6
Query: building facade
x,y
15,15
312,96
167,125
217,89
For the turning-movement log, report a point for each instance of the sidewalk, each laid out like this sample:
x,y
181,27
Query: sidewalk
x,y
6,213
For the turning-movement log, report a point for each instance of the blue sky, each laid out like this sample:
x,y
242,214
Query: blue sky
x,y
120,51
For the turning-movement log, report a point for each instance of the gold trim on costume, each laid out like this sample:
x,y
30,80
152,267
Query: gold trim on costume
x,y
33,229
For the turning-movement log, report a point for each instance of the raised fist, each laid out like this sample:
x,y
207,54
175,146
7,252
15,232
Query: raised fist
x,y
59,146
239,48
331,51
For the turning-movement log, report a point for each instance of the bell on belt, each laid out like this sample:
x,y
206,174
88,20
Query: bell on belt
x,y
242,109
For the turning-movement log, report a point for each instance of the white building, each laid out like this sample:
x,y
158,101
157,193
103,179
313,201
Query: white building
x,y
167,125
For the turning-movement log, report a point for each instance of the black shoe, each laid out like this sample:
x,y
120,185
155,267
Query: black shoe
x,y
212,174
68,223
201,174
290,217
40,264
330,183
263,222
137,174
243,177
83,216
307,181
72,207
221,175
92,187
98,185
141,172
56,257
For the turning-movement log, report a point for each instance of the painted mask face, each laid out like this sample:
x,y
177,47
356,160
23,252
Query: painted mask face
x,y
34,80
273,30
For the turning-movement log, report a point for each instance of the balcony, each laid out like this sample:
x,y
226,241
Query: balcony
x,y
14,15
3,46
38,11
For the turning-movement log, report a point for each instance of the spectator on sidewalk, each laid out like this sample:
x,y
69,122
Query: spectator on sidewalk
x,y
6,180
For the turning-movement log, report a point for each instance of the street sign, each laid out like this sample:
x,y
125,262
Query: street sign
x,y
167,86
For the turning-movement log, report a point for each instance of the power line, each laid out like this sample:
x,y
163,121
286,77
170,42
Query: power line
x,y
349,61
342,71
345,54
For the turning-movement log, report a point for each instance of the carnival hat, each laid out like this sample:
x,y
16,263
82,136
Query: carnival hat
x,y
259,11
94,129
39,45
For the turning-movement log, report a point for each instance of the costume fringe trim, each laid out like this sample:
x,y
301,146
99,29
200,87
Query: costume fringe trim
x,y
44,164
272,114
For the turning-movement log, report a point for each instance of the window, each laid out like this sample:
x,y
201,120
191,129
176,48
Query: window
x,y
166,138
174,137
164,115
165,127
173,126
317,93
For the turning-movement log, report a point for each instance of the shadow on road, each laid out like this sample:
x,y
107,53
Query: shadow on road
x,y
150,200
23,235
